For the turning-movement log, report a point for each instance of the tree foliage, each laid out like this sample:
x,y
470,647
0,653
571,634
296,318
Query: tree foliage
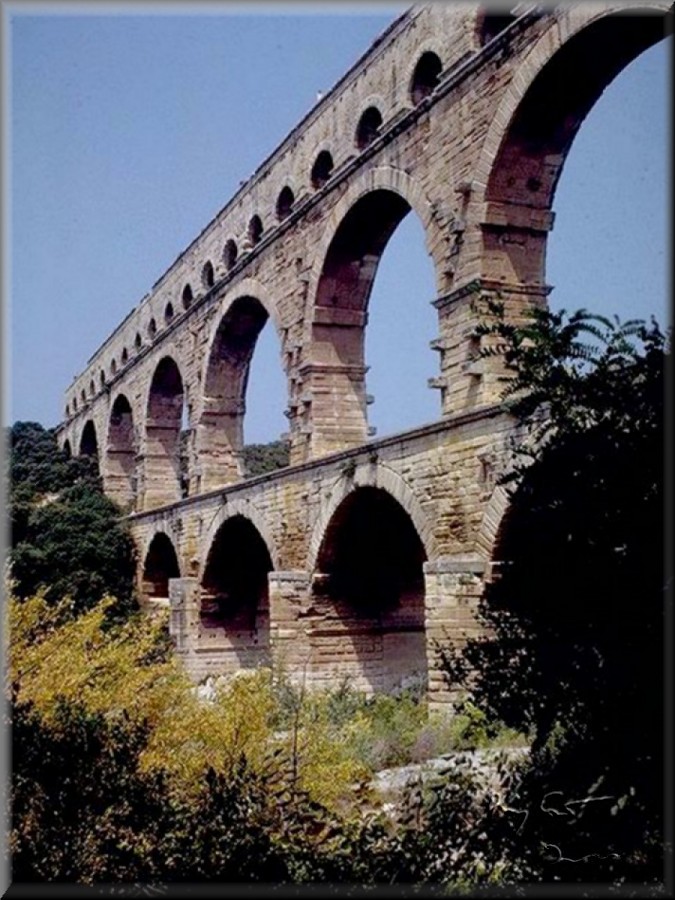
x,y
262,458
67,536
573,649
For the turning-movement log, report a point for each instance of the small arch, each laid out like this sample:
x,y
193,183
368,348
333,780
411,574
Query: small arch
x,y
152,329
187,297
161,564
490,25
125,355
67,409
75,404
285,203
101,377
168,313
113,367
230,252
234,594
91,388
67,449
88,441
208,277
425,77
255,230
83,396
138,341
369,127
322,169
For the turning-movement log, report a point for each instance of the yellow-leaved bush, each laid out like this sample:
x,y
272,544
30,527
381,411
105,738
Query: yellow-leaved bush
x,y
113,668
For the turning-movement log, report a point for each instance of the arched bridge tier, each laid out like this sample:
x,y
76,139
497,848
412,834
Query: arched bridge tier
x,y
354,564
460,118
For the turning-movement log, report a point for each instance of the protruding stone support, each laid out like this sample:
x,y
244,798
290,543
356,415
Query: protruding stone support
x,y
469,380
160,464
453,587
290,602
184,620
219,434
120,480
334,397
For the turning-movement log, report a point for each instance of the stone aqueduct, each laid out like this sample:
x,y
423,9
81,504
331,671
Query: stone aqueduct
x,y
362,553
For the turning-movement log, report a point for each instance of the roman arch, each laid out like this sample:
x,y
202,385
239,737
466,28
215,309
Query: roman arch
x,y
457,116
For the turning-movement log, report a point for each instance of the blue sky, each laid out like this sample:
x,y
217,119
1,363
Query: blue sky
x,y
129,132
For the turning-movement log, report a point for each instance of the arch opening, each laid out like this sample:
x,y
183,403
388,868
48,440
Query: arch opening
x,y
208,277
532,153
67,449
121,481
88,441
187,297
165,417
221,427
322,169
369,592
285,203
490,25
368,128
255,230
234,610
425,77
230,254
161,564
343,308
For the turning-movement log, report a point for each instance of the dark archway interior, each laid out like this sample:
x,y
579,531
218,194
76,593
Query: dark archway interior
x,y
67,450
88,442
234,586
371,553
530,160
425,77
161,564
370,588
322,169
368,127
490,25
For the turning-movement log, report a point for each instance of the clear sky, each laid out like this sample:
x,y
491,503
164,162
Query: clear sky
x,y
129,132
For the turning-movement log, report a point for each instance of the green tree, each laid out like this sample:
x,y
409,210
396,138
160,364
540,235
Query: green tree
x,y
573,650
67,536
262,458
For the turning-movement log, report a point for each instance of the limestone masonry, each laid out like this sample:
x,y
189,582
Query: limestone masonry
x,y
362,554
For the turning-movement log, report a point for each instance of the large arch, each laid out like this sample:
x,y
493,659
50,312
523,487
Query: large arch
x,y
368,594
164,415
343,277
234,597
220,430
378,476
121,481
159,565
556,87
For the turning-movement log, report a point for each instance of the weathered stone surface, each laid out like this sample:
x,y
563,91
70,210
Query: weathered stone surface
x,y
475,152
